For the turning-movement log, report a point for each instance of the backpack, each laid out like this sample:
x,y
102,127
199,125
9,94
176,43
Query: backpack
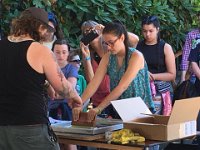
x,y
186,89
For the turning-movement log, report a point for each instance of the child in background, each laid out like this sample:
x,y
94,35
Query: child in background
x,y
59,109
76,61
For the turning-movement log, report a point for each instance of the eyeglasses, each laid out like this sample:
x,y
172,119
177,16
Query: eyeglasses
x,y
110,43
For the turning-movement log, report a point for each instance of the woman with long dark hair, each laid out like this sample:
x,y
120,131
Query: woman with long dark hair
x,y
125,66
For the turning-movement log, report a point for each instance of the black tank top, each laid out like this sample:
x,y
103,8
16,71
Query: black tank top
x,y
154,56
22,99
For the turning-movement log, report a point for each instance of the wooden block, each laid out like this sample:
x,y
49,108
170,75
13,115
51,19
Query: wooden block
x,y
83,120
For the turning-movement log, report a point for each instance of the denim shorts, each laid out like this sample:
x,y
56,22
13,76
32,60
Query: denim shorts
x,y
34,137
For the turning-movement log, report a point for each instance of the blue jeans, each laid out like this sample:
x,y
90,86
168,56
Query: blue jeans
x,y
34,137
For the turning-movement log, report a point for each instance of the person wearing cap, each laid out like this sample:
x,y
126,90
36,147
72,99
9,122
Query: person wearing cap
x,y
26,64
75,60
53,36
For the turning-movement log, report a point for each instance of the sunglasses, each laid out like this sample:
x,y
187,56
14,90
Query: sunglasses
x,y
76,61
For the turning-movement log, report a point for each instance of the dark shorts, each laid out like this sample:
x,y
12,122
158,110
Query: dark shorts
x,y
26,138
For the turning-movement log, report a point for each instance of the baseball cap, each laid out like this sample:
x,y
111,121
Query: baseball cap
x,y
41,15
52,18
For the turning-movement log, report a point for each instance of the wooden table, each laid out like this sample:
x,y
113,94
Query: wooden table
x,y
99,141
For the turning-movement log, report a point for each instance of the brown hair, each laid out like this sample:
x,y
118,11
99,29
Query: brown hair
x,y
60,42
27,24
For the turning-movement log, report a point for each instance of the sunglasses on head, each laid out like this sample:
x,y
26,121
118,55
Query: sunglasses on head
x,y
88,31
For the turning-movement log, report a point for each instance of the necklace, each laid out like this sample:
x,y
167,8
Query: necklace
x,y
17,39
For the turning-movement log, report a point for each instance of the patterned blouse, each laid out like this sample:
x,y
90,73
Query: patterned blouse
x,y
191,36
139,87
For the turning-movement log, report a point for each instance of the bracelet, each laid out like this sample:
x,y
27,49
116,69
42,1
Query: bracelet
x,y
99,110
88,58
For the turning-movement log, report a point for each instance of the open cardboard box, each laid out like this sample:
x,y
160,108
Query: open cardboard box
x,y
137,117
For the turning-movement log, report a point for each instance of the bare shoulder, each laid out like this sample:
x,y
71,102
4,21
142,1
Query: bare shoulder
x,y
133,36
168,48
38,55
40,51
40,48
167,45
133,39
137,54
136,60
137,57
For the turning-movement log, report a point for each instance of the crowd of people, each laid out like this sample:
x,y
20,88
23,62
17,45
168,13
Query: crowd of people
x,y
40,75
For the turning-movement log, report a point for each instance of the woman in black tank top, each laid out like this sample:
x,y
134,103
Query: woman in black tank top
x,y
159,57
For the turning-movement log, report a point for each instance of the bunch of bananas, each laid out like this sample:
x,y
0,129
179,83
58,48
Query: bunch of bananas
x,y
125,136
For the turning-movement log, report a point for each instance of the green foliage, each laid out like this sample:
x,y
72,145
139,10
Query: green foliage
x,y
176,16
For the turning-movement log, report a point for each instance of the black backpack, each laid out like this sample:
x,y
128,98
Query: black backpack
x,y
186,89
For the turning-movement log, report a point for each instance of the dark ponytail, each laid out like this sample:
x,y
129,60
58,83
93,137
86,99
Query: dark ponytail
x,y
117,28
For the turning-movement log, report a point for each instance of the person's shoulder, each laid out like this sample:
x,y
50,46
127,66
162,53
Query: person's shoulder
x,y
38,45
136,53
137,58
133,38
41,49
71,67
134,50
168,50
167,47
167,44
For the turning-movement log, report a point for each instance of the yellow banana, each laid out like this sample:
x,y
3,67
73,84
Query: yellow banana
x,y
124,136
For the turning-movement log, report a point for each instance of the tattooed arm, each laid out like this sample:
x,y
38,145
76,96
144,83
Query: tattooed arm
x,y
57,79
67,92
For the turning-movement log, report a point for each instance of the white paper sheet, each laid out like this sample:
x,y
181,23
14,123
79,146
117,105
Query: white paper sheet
x,y
54,121
130,108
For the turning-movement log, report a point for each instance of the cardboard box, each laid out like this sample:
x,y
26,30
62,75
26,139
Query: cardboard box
x,y
181,123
